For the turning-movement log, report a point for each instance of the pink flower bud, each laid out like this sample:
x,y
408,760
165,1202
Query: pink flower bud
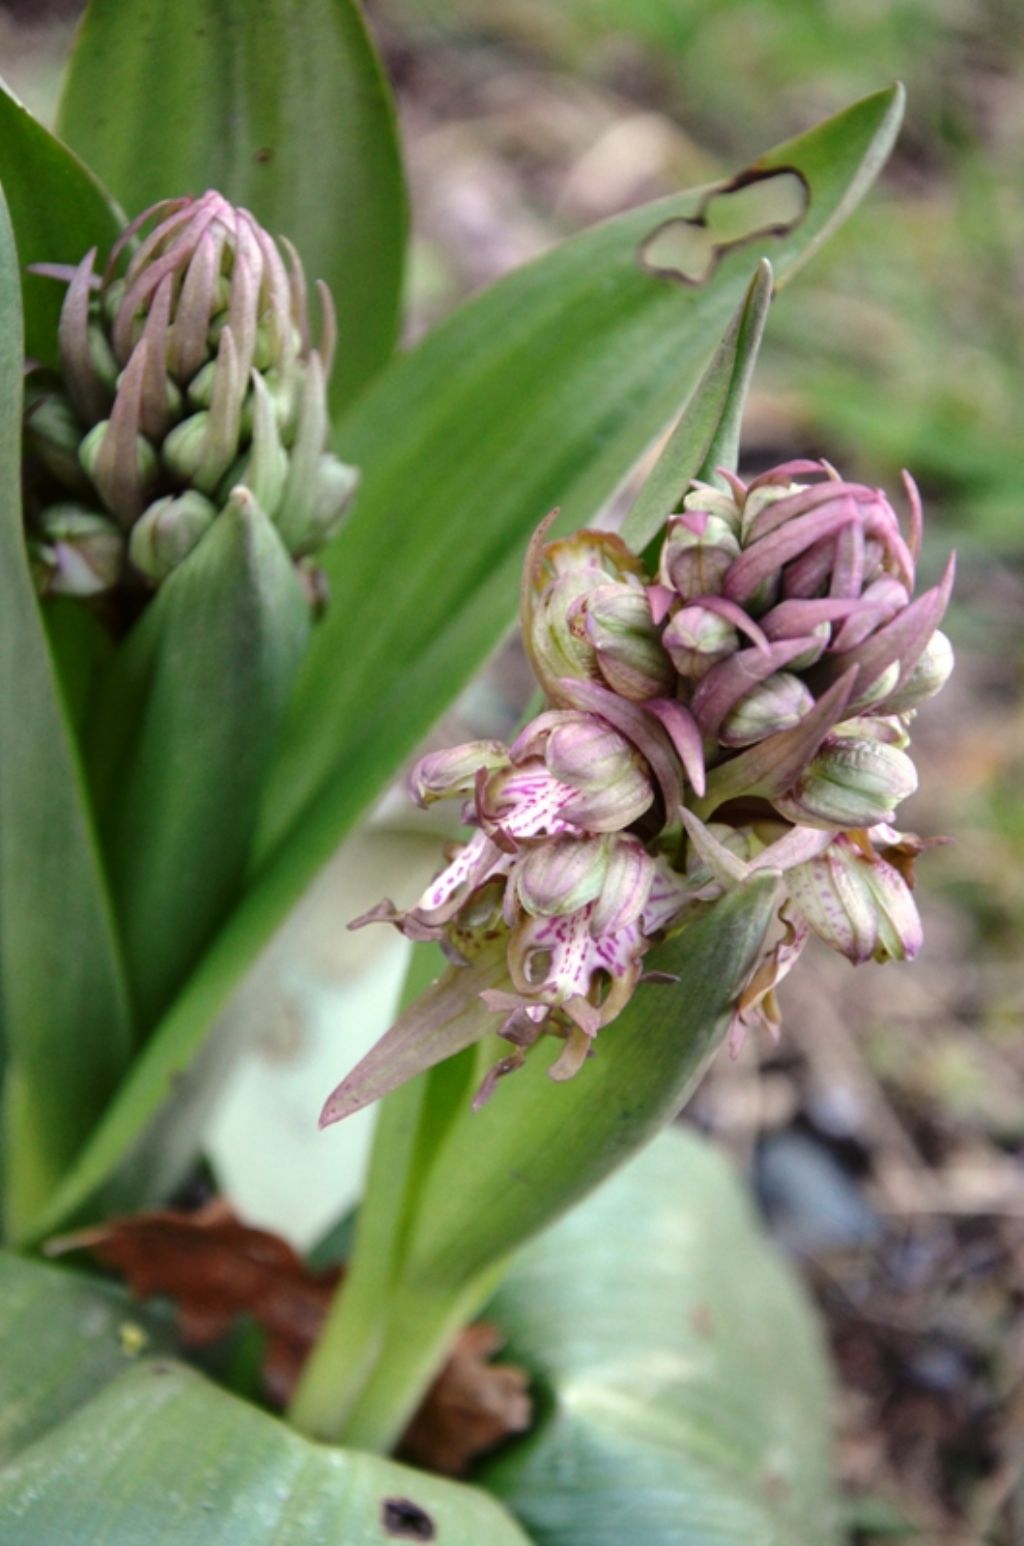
x,y
858,903
853,781
443,775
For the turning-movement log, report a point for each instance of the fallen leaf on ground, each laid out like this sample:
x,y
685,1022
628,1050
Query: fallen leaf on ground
x,y
214,1268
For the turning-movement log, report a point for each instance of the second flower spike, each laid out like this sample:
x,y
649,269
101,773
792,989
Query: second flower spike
x,y
187,367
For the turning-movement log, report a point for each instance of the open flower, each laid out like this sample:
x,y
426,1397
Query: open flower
x,y
581,898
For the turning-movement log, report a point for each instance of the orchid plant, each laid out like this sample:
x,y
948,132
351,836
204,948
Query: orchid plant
x,y
249,559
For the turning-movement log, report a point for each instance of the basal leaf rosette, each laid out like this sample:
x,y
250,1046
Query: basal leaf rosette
x,y
744,709
187,368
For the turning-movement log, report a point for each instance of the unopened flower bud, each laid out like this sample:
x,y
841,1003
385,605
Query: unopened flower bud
x,y
858,903
121,465
697,639
185,446
758,500
709,499
773,705
629,652
852,782
602,783
820,634
80,552
928,677
880,688
334,488
698,551
443,775
167,531
564,577
55,434
561,875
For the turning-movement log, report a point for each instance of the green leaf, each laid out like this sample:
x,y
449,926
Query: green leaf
x,y
282,107
184,732
486,1181
104,1449
58,210
65,1014
543,390
707,435
683,1391
73,1333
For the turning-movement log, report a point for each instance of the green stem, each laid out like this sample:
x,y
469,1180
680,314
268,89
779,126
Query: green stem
x,y
421,1330
454,1193
31,1170
355,1328
357,1335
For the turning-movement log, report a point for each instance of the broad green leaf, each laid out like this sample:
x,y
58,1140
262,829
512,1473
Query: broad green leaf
x,y
486,1181
58,210
103,1448
684,1396
543,390
282,107
65,1014
707,435
186,724
62,1336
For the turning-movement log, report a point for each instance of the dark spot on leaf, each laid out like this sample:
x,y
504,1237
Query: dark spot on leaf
x,y
264,155
702,1320
774,1487
406,1521
755,204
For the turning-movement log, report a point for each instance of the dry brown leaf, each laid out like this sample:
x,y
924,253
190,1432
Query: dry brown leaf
x,y
214,1269
471,1406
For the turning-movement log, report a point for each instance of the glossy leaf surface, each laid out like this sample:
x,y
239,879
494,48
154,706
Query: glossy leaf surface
x,y
683,1388
102,1443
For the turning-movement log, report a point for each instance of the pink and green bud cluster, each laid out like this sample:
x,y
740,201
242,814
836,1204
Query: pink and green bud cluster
x,y
187,368
745,708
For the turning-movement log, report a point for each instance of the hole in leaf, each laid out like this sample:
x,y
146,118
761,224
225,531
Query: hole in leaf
x,y
406,1521
754,205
